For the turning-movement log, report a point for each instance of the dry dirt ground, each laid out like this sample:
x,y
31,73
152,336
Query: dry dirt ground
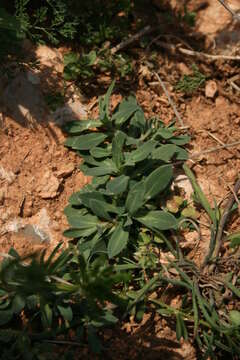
x,y
38,174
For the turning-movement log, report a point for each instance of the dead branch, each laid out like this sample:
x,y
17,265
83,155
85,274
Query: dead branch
x,y
198,54
178,116
146,30
225,146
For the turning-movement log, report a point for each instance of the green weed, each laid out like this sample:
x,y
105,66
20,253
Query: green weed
x,y
190,83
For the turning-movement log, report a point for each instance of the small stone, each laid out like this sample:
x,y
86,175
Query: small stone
x,y
73,110
48,186
211,89
65,170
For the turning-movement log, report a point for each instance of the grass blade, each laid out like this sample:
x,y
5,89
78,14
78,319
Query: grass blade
x,y
200,195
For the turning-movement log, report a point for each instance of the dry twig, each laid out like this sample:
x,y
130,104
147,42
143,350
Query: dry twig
x,y
198,54
227,7
170,100
130,40
225,146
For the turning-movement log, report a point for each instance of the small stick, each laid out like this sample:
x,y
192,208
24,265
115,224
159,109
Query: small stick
x,y
223,220
219,141
170,100
198,54
130,40
234,194
227,7
215,138
235,86
226,146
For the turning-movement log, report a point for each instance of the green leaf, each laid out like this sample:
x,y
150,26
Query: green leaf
x,y
78,233
117,146
159,220
125,110
89,160
99,152
83,222
118,241
18,304
138,120
90,58
164,152
179,333
157,181
118,185
199,193
85,142
104,105
180,140
100,209
181,154
106,167
141,153
86,197
76,127
165,133
100,180
235,239
66,312
46,316
234,316
70,58
5,316
135,198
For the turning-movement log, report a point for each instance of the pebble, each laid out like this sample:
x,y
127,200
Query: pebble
x,y
48,186
211,89
65,170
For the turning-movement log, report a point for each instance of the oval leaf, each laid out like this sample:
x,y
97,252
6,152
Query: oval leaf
x,y
135,198
159,220
83,222
118,185
117,242
66,312
76,127
158,180
141,153
86,142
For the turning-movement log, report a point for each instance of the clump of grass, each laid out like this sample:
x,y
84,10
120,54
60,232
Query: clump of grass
x,y
190,83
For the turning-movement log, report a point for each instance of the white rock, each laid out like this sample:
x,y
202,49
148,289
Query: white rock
x,y
66,170
48,186
73,110
211,89
184,183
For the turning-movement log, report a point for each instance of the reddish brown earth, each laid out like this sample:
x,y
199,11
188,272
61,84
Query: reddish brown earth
x,y
38,174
